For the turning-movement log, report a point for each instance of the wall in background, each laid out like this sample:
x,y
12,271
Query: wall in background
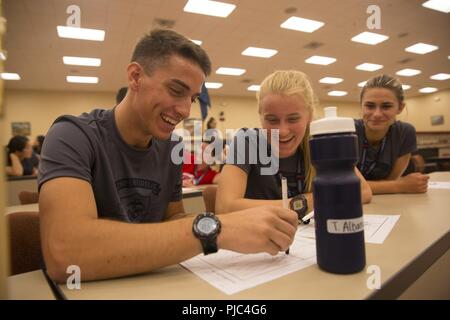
x,y
41,108
420,110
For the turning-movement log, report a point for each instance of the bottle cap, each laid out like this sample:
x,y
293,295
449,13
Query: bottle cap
x,y
331,123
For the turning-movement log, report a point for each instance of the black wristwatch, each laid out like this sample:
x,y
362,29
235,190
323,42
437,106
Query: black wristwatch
x,y
299,205
206,227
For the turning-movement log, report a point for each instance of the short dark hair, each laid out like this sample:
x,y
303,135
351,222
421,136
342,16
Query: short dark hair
x,y
210,121
40,138
17,143
121,94
154,50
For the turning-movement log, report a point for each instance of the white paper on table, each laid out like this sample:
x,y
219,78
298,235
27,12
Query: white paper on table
x,y
438,185
376,228
232,272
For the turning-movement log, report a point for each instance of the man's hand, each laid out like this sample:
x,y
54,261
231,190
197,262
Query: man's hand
x,y
268,229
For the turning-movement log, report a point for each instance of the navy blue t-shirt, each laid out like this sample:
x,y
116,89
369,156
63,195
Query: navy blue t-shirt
x,y
400,140
129,184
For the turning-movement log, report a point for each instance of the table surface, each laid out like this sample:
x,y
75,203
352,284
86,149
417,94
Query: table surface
x,y
419,238
29,286
195,191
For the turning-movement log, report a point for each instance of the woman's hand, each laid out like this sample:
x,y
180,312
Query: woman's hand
x,y
414,183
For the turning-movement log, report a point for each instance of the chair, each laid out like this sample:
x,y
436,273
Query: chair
x,y
419,162
25,242
209,198
27,197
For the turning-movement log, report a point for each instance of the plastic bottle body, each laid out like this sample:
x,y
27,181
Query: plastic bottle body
x,y
338,211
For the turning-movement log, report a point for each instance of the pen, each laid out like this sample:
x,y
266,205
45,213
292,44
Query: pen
x,y
285,197
308,216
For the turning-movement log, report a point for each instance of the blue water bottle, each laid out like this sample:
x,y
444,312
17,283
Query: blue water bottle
x,y
338,211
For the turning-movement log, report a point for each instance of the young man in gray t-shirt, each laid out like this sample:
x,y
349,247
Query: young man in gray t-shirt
x,y
102,170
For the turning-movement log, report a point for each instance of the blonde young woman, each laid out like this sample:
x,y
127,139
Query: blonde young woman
x,y
385,143
286,102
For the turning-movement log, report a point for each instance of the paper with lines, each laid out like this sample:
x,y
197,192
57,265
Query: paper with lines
x,y
376,228
438,185
232,272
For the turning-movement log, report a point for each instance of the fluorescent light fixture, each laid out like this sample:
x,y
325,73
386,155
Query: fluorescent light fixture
x,y
259,52
408,72
369,38
406,87
427,90
421,48
3,55
362,84
213,85
80,33
197,42
337,93
301,24
230,71
80,61
254,87
9,76
438,5
320,60
78,79
331,80
369,66
210,8
440,76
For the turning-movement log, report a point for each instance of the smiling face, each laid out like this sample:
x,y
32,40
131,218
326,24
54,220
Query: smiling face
x,y
290,115
380,108
162,99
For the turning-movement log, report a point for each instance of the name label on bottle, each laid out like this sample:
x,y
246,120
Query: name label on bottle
x,y
345,225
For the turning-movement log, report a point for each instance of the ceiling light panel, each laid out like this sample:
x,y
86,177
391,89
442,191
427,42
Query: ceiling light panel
x,y
320,60
259,52
209,8
80,79
369,38
80,33
301,24
230,71
81,61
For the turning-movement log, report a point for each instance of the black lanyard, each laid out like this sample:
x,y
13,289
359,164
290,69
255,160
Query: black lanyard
x,y
299,177
367,166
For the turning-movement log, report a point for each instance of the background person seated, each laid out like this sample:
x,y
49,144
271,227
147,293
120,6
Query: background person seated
x,y
19,157
197,174
37,144
416,164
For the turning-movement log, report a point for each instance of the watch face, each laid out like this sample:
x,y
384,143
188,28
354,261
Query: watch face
x,y
297,204
207,225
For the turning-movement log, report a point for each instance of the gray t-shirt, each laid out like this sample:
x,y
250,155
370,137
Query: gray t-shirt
x,y
128,184
400,140
259,185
